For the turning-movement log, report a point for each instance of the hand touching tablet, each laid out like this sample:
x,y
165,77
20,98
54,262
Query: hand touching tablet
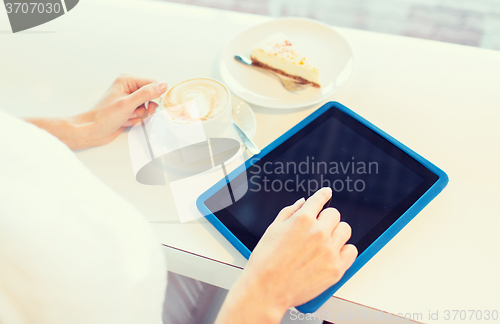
x,y
302,253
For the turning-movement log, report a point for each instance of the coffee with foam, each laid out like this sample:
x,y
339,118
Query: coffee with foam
x,y
195,100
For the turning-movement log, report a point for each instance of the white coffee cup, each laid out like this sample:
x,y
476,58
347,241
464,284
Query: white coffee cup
x,y
195,102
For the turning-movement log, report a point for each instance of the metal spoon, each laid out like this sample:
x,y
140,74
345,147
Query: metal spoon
x,y
254,149
289,84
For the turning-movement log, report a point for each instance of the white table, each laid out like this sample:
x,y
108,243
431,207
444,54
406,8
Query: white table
x,y
442,100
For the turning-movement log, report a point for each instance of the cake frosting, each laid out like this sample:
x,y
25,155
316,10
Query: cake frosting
x,y
277,53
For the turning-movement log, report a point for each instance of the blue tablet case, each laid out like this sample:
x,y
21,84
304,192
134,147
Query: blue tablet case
x,y
371,250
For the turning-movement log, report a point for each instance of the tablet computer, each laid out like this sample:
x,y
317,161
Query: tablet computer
x,y
378,184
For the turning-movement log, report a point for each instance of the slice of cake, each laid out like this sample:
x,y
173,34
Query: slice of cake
x,y
278,54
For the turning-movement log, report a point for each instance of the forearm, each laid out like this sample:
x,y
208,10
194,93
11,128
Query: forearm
x,y
248,302
72,131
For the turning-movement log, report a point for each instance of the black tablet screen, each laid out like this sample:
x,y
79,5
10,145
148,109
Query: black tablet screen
x,y
373,181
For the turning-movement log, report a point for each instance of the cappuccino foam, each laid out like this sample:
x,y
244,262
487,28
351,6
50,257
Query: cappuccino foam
x,y
195,100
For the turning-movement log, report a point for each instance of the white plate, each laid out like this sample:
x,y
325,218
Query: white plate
x,y
322,46
243,116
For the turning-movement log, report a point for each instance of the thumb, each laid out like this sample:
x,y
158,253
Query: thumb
x,y
146,93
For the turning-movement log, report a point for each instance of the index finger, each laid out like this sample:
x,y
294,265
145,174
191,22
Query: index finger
x,y
133,83
314,204
141,82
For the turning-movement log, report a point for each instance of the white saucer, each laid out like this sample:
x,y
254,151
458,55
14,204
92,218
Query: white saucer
x,y
324,47
244,116
160,138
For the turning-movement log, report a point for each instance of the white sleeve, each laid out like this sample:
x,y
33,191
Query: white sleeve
x,y
71,249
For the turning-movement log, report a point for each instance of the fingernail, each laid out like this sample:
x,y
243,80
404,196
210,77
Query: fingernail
x,y
299,201
127,124
327,190
133,116
161,86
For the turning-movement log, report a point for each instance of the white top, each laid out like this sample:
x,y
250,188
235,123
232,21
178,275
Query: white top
x,y
71,249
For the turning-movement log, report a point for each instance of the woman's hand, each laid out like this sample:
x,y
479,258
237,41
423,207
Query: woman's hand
x,y
122,105
300,255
